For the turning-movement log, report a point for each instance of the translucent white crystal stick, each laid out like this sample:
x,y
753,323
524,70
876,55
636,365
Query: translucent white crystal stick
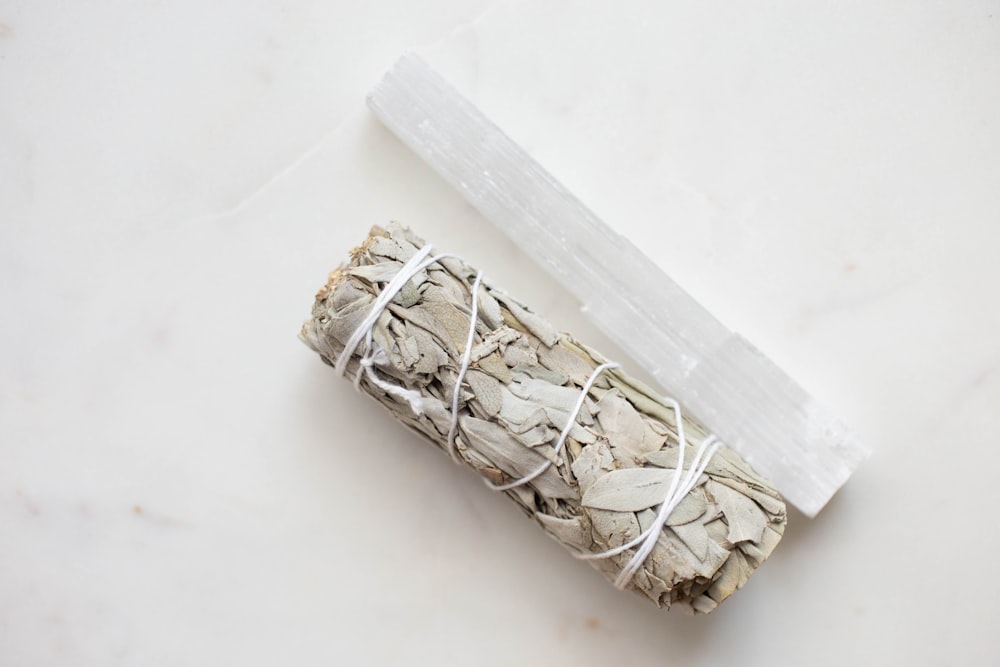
x,y
719,376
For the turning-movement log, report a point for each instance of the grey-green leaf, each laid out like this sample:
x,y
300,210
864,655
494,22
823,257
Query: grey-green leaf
x,y
629,489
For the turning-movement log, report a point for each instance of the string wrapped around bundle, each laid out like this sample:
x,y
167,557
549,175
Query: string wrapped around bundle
x,y
612,470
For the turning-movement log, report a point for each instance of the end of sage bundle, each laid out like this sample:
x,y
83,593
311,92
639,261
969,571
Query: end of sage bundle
x,y
590,456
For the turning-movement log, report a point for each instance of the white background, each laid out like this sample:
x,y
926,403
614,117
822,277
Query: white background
x,y
183,482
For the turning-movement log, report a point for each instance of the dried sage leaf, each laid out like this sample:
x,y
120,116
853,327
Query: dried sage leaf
x,y
628,489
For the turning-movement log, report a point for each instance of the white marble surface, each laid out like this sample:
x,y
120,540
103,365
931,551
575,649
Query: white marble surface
x,y
182,482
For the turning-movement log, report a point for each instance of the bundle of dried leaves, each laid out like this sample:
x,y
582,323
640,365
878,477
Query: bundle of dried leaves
x,y
518,394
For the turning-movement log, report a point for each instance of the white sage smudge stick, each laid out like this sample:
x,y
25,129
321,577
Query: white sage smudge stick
x,y
588,452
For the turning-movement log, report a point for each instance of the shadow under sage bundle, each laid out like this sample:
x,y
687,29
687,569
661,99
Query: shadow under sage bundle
x,y
606,466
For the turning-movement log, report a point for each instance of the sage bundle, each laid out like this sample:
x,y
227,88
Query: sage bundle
x,y
606,466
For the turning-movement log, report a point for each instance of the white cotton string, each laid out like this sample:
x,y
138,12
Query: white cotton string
x,y
410,269
411,396
570,422
373,354
464,367
681,484
653,532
